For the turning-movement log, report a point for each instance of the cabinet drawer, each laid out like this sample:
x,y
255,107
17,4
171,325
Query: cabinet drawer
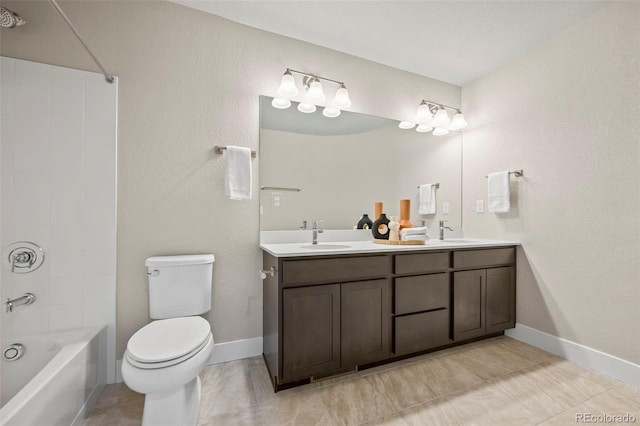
x,y
419,332
482,258
421,262
421,293
333,270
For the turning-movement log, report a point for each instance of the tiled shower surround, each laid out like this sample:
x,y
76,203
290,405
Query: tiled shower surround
x,y
58,176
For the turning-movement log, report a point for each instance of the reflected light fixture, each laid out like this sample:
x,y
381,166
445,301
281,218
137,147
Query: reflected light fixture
x,y
314,96
433,116
423,128
331,112
281,103
306,108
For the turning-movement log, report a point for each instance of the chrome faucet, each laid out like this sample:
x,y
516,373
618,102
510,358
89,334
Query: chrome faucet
x,y
316,231
442,228
26,299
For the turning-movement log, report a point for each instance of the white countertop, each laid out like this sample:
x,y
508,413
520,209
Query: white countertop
x,y
355,247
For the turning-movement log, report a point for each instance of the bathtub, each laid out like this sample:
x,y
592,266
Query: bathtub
x,y
57,380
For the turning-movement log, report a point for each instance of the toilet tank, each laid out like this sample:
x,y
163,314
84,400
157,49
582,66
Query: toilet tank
x,y
179,286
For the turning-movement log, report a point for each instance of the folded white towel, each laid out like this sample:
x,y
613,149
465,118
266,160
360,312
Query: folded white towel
x,y
427,204
418,230
499,196
237,175
422,237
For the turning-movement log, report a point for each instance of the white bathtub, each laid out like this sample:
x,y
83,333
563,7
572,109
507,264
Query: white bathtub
x,y
57,380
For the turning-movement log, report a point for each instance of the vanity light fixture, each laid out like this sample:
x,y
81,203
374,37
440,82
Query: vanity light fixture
x,y
433,116
314,94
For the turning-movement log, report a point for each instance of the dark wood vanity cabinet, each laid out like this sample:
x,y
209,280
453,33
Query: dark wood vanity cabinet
x,y
483,299
329,314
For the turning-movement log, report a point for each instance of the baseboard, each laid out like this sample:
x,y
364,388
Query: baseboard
x,y
237,349
584,356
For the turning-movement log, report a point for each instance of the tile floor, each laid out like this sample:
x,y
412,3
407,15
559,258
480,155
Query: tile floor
x,y
499,381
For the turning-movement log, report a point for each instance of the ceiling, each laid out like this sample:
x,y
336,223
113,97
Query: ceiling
x,y
452,41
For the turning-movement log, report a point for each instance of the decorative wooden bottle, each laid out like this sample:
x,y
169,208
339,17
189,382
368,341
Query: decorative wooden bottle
x,y
405,214
378,210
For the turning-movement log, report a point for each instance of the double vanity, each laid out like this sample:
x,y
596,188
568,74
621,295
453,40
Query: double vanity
x,y
343,306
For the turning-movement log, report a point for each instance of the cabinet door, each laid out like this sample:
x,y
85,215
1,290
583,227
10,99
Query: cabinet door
x,y
501,307
311,331
366,322
468,304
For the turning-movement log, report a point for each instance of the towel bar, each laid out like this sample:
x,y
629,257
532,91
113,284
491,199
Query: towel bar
x,y
516,173
437,185
219,149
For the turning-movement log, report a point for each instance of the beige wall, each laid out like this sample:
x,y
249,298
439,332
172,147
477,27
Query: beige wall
x,y
189,81
567,113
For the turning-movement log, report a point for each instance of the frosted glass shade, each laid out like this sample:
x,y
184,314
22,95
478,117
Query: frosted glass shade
x,y
342,98
306,108
458,122
441,119
280,103
288,88
439,131
406,125
423,115
315,94
331,112
423,128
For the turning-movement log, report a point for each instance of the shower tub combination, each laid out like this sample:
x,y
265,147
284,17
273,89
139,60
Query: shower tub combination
x,y
56,381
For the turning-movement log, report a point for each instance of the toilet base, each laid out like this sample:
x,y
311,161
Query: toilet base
x,y
179,407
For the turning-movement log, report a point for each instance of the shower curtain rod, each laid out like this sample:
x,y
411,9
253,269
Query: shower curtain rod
x,y
107,76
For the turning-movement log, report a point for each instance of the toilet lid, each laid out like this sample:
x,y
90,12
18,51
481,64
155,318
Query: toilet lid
x,y
167,339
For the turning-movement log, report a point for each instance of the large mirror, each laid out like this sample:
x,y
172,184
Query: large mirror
x,y
335,169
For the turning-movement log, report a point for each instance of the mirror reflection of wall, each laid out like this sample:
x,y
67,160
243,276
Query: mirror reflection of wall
x,y
344,165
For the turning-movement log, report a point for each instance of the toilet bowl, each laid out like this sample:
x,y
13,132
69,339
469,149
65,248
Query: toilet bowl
x,y
163,358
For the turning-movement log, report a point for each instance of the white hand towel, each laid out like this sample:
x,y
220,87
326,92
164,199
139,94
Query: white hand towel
x,y
415,237
499,196
237,174
421,230
427,203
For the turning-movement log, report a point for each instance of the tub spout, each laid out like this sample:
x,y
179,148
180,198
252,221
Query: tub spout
x,y
26,299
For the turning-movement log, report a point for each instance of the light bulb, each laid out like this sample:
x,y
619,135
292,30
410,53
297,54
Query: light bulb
x,y
424,114
280,103
306,108
458,122
439,131
406,125
331,112
441,118
423,128
342,98
288,88
315,94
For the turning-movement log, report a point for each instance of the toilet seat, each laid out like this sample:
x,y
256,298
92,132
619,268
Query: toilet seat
x,y
167,342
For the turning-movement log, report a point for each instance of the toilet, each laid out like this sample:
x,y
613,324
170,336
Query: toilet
x,y
163,358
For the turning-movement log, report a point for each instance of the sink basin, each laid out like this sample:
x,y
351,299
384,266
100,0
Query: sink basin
x,y
325,246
